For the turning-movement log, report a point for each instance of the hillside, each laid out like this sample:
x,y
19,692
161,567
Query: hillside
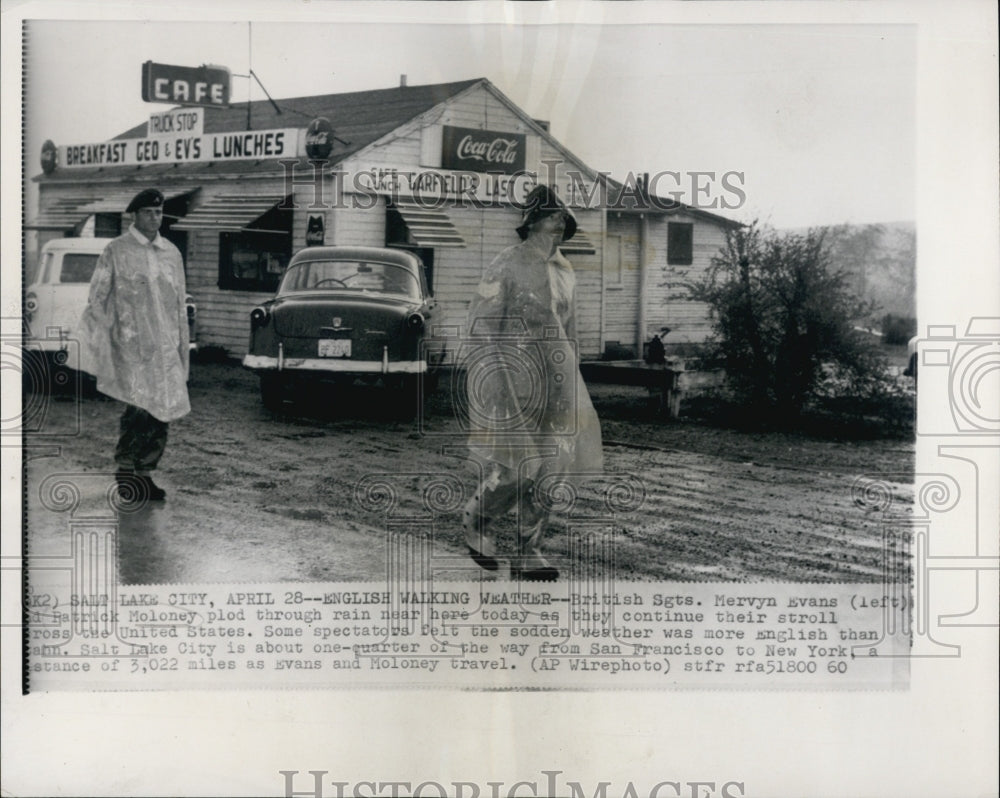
x,y
882,258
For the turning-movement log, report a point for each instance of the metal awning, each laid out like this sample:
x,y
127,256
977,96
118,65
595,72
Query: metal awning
x,y
63,214
229,212
579,244
428,227
117,201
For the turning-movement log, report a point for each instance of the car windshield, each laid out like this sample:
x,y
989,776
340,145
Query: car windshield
x,y
77,267
350,275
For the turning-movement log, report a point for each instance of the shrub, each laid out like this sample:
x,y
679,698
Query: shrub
x,y
784,321
898,329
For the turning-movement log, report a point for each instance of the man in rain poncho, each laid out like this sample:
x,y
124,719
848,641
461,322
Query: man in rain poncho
x,y
134,340
531,419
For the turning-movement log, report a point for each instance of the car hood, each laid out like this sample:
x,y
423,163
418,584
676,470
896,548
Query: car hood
x,y
299,316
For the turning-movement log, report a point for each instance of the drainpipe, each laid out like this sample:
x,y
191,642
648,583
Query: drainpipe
x,y
604,278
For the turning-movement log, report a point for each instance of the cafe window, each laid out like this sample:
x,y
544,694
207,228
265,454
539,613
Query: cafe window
x,y
254,258
252,261
107,225
680,243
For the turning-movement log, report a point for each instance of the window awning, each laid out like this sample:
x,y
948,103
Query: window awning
x,y
229,212
428,227
63,214
117,201
579,244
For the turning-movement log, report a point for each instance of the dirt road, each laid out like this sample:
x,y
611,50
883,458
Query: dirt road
x,y
309,495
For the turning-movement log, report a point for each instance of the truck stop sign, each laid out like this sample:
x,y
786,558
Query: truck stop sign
x,y
205,85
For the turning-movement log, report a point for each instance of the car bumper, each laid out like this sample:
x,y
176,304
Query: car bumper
x,y
334,366
48,344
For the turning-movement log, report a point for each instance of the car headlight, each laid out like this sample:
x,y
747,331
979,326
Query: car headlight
x,y
30,304
258,317
415,322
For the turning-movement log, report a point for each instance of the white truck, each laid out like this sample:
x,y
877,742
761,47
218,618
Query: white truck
x,y
54,302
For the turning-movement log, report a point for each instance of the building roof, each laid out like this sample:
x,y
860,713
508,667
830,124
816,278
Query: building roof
x,y
635,198
358,118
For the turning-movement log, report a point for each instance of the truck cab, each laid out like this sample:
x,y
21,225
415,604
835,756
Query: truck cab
x,y
55,301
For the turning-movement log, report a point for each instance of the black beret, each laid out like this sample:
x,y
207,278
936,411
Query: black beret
x,y
147,198
542,201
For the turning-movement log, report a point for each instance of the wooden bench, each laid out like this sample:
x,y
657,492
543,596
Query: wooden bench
x,y
665,380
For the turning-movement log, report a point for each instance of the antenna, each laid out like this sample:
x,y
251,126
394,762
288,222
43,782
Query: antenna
x,y
249,67
253,75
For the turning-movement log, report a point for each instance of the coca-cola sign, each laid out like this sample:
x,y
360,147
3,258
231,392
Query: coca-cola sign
x,y
50,157
319,139
315,230
472,150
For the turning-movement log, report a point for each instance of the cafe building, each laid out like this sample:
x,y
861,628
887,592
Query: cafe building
x,y
437,169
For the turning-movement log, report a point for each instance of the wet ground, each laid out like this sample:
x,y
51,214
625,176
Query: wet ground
x,y
331,488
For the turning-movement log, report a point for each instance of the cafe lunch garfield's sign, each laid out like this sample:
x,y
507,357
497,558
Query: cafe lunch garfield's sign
x,y
471,150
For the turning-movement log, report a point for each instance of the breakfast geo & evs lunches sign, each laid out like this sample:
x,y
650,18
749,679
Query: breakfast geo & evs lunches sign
x,y
269,144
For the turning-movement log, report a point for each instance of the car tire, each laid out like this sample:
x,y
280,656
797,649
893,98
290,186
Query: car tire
x,y
272,392
430,380
404,398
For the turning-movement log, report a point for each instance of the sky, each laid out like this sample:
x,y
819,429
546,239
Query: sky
x,y
819,119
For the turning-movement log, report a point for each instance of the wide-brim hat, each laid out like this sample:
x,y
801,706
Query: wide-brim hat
x,y
543,201
147,198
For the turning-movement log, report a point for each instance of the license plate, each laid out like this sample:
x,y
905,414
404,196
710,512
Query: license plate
x,y
335,347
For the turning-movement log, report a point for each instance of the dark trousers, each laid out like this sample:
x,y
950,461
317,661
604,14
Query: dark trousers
x,y
142,441
499,493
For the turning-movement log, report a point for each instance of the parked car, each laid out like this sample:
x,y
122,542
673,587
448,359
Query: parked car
x,y
54,302
340,314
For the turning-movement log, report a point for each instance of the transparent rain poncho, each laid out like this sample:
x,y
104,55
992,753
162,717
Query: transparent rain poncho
x,y
527,405
134,333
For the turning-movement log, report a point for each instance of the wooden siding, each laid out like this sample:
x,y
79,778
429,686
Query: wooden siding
x,y
488,231
689,322
621,284
357,227
590,301
224,315
608,288
405,147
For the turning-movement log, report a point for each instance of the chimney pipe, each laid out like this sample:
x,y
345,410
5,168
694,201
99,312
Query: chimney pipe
x,y
402,81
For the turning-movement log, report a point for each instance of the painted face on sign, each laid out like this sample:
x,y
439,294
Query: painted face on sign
x,y
148,220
